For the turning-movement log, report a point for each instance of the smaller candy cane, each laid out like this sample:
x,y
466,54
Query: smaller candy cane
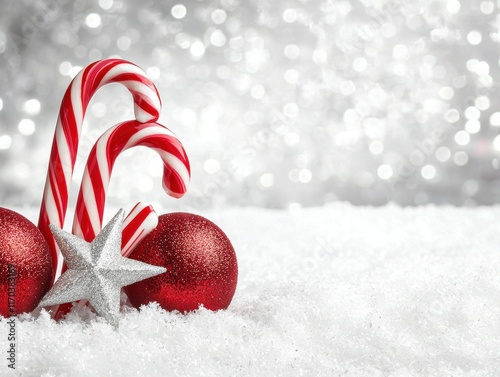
x,y
142,219
91,198
68,129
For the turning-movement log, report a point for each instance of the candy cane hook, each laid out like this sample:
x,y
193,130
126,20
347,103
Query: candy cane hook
x,y
89,210
68,129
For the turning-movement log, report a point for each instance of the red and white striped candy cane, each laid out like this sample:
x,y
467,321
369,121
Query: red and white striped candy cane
x,y
142,219
68,129
89,209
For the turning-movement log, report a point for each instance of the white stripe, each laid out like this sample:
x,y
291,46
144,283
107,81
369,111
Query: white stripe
x,y
134,212
64,155
76,100
77,229
146,92
90,203
123,68
59,265
51,209
101,157
160,132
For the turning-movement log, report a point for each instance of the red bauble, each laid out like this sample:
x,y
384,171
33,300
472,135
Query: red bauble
x,y
25,264
200,261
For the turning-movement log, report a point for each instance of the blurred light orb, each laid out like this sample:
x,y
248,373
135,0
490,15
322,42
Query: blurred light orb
x,y
26,127
291,76
305,175
93,20
65,68
106,4
197,49
470,187
266,180
347,87
428,172
473,126
376,147
495,119
496,143
443,154
258,91
487,7
5,142
472,112
359,64
290,15
153,72
291,109
32,106
183,40
462,138
461,158
401,52
292,139
178,11
453,6
446,92
452,116
385,171
482,103
218,16
123,43
320,56
217,38
474,37
211,166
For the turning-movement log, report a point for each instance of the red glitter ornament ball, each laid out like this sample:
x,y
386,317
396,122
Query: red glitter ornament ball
x,y
200,261
25,264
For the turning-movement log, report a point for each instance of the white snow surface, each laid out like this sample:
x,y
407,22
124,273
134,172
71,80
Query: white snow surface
x,y
332,291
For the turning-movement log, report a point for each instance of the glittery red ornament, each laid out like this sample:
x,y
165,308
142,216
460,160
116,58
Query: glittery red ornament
x,y
25,264
200,261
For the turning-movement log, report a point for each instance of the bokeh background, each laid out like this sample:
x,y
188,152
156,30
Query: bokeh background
x,y
278,103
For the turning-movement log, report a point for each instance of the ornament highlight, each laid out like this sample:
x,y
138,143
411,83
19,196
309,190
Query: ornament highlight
x,y
200,261
96,271
25,264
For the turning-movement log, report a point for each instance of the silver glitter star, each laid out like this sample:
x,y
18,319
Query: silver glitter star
x,y
97,271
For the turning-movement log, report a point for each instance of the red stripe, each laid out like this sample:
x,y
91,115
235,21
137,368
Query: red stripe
x,y
69,127
147,107
85,224
129,230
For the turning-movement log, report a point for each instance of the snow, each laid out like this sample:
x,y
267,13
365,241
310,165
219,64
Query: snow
x,y
331,291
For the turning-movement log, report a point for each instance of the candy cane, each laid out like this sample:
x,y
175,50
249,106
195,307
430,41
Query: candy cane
x,y
68,129
142,219
91,198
